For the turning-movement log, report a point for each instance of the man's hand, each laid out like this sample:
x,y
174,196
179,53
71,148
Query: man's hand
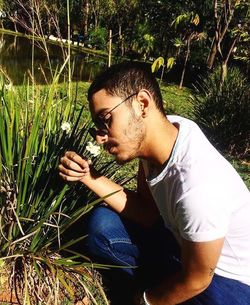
x,y
133,205
73,167
199,260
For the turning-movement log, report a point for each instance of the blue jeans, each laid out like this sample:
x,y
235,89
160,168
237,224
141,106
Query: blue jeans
x,y
144,256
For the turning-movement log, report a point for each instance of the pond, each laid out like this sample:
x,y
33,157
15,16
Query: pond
x,y
16,61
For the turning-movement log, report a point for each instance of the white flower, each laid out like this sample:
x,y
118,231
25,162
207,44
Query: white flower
x,y
66,127
93,149
9,86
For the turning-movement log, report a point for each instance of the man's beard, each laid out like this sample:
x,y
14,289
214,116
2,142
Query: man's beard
x,y
134,135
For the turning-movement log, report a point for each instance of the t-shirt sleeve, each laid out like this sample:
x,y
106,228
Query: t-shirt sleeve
x,y
202,216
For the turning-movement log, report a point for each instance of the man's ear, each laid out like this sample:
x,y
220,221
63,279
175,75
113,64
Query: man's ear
x,y
144,99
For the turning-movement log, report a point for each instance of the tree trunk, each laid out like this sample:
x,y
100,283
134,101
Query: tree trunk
x,y
120,37
110,48
225,62
223,73
85,18
122,46
15,27
222,23
212,56
185,63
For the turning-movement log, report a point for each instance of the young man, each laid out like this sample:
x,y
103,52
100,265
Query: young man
x,y
201,255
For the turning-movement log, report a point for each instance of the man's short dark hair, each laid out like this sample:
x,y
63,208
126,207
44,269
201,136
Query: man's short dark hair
x,y
126,78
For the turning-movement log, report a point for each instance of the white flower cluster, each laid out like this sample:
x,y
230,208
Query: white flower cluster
x,y
9,87
93,149
66,127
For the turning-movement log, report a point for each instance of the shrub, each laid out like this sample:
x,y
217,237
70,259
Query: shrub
x,y
223,113
36,209
98,38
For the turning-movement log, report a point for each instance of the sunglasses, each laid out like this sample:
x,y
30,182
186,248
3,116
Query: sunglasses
x,y
102,122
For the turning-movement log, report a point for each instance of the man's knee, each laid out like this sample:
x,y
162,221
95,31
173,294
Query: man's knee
x,y
102,222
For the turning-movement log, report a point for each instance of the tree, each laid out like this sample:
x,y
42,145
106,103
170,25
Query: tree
x,y
227,31
187,24
119,15
86,6
143,41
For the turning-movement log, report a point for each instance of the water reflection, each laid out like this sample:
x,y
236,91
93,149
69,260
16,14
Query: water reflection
x,y
16,61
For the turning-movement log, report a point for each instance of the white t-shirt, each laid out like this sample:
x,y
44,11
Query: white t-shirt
x,y
201,197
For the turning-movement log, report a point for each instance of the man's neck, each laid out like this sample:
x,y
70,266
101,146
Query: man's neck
x,y
161,137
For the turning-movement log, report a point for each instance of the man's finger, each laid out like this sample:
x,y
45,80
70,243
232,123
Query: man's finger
x,y
68,163
75,157
72,172
70,178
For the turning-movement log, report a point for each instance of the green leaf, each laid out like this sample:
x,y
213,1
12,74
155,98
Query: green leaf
x,y
196,19
170,62
180,19
178,43
157,64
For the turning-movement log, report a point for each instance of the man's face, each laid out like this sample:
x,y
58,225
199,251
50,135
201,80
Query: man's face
x,y
121,129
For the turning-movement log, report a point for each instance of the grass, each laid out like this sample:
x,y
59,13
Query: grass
x,y
243,168
177,101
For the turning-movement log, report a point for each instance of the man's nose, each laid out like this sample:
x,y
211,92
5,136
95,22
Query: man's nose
x,y
101,138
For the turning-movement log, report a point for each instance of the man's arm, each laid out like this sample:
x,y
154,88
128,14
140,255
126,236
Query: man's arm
x,y
199,260
138,206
